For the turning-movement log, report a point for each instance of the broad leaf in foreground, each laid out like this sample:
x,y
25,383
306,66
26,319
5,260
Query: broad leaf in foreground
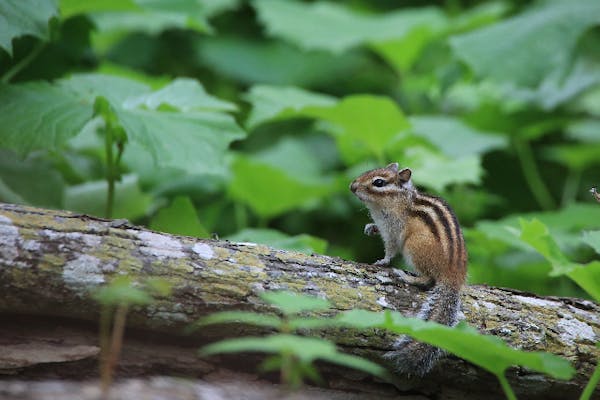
x,y
307,349
488,352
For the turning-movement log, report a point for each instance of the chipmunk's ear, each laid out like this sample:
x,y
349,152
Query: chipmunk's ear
x,y
393,167
404,175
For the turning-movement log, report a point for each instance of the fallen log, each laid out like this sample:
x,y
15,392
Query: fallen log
x,y
50,262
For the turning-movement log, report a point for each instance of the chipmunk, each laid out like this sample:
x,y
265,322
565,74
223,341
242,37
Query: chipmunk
x,y
425,230
595,193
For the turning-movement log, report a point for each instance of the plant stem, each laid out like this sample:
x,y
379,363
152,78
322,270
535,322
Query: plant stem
x,y
532,175
110,171
591,385
116,343
25,61
508,392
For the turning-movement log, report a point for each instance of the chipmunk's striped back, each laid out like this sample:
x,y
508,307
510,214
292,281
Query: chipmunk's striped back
x,y
438,216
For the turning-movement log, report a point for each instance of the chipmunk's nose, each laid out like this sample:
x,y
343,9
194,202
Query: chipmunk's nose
x,y
353,186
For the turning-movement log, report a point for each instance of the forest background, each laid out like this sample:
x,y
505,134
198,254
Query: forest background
x,y
248,120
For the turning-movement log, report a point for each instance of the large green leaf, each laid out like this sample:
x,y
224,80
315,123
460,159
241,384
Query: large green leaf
x,y
528,46
455,138
272,102
25,17
565,225
334,27
437,171
304,243
488,352
39,115
592,238
536,234
69,8
180,218
363,125
44,116
271,191
150,16
183,94
31,181
274,62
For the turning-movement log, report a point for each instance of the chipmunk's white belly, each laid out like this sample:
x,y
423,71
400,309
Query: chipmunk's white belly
x,y
390,229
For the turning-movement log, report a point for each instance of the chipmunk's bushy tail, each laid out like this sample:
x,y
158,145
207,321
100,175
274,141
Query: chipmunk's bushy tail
x,y
417,359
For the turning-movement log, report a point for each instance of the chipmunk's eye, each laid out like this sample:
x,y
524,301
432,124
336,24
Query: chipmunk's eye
x,y
379,182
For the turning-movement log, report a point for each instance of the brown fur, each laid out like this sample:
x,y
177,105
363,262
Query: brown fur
x,y
425,230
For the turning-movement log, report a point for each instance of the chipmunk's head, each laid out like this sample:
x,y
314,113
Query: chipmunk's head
x,y
382,183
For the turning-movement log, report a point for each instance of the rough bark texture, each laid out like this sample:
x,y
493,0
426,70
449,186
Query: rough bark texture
x,y
51,260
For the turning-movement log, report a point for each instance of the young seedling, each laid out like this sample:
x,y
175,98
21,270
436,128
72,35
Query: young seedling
x,y
115,299
293,355
114,135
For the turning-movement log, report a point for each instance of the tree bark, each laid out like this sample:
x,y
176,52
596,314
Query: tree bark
x,y
51,261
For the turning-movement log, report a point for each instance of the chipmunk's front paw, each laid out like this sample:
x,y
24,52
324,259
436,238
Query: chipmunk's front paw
x,y
384,262
371,230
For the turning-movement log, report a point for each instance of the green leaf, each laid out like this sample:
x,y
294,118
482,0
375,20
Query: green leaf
x,y
32,181
240,317
303,243
69,8
254,181
533,43
364,123
307,350
565,225
291,303
455,138
437,171
488,352
536,234
592,238
39,115
25,17
121,291
274,62
183,94
150,16
355,362
90,198
336,28
271,102
180,218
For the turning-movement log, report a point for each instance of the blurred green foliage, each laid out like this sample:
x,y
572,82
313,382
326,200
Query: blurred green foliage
x,y
249,119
